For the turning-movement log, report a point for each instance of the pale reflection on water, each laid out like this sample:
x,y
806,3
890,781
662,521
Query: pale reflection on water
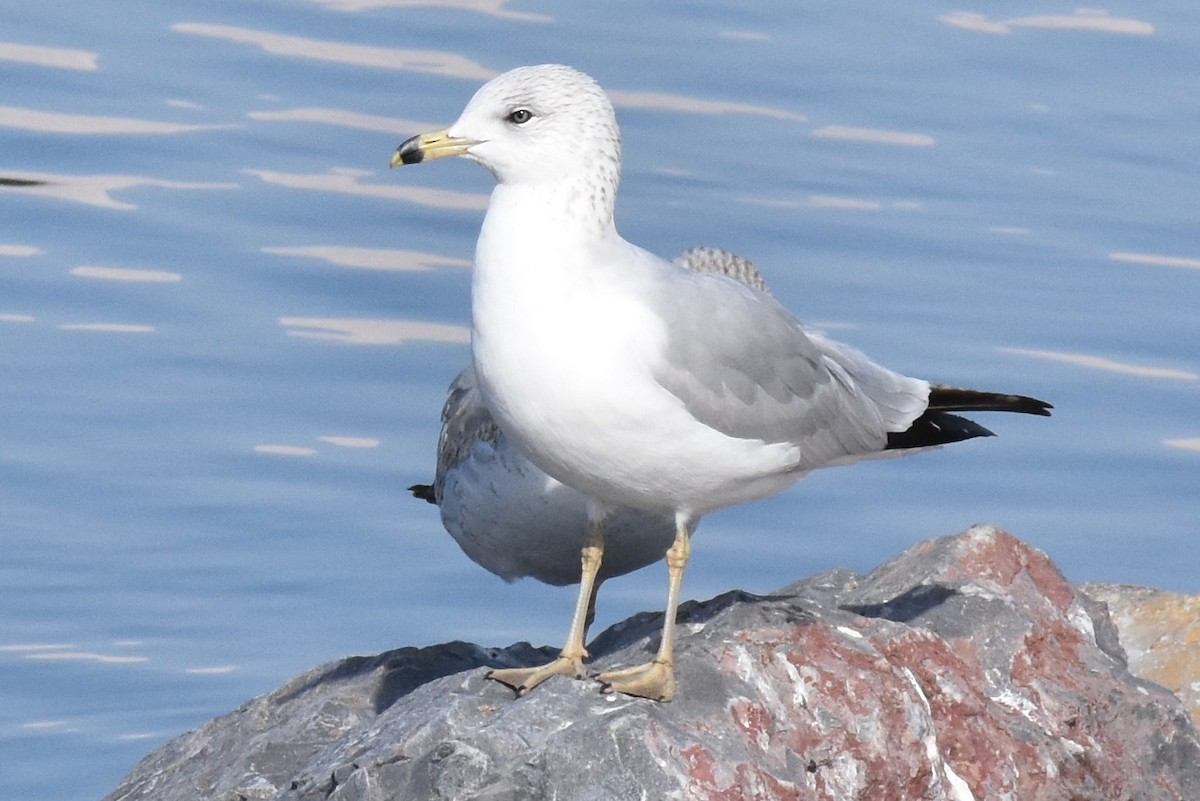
x,y
1156,259
1084,19
345,119
371,258
51,122
92,190
427,61
349,182
109,328
18,251
875,136
55,57
495,8
127,274
1101,363
373,332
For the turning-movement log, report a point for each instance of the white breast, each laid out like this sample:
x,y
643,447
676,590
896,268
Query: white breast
x,y
562,349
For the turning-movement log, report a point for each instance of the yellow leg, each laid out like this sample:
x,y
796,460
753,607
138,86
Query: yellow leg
x,y
570,659
656,679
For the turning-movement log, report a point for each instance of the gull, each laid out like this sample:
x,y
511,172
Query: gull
x,y
514,520
637,382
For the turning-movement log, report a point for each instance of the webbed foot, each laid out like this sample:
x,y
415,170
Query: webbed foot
x,y
654,680
522,680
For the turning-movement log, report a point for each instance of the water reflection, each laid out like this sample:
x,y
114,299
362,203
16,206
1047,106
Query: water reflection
x,y
63,652
215,670
285,450
32,647
109,328
92,190
88,656
371,258
1084,19
744,36
188,105
874,136
56,57
814,202
278,449
431,62
693,105
55,122
50,725
350,442
19,251
345,119
1153,258
347,182
127,274
494,8
1101,363
356,331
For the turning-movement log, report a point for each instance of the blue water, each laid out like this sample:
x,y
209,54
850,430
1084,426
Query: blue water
x,y
226,328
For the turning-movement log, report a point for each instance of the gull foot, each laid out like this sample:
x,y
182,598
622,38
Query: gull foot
x,y
525,679
654,680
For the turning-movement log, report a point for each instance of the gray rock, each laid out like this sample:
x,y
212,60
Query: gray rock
x,y
966,668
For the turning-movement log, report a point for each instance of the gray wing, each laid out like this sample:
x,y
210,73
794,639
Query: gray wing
x,y
743,365
465,421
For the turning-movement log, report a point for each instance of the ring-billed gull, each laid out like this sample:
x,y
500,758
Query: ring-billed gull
x,y
514,520
637,382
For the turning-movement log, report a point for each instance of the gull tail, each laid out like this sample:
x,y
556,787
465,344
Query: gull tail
x,y
423,492
937,426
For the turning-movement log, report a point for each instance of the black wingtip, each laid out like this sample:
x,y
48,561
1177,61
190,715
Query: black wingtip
x,y
936,428
424,492
1026,405
954,399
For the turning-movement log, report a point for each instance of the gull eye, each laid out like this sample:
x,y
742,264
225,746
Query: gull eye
x,y
519,116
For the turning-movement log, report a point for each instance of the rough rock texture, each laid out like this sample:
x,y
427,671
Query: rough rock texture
x,y
966,668
1160,632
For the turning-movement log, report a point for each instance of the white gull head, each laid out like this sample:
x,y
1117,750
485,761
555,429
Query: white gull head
x,y
541,125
